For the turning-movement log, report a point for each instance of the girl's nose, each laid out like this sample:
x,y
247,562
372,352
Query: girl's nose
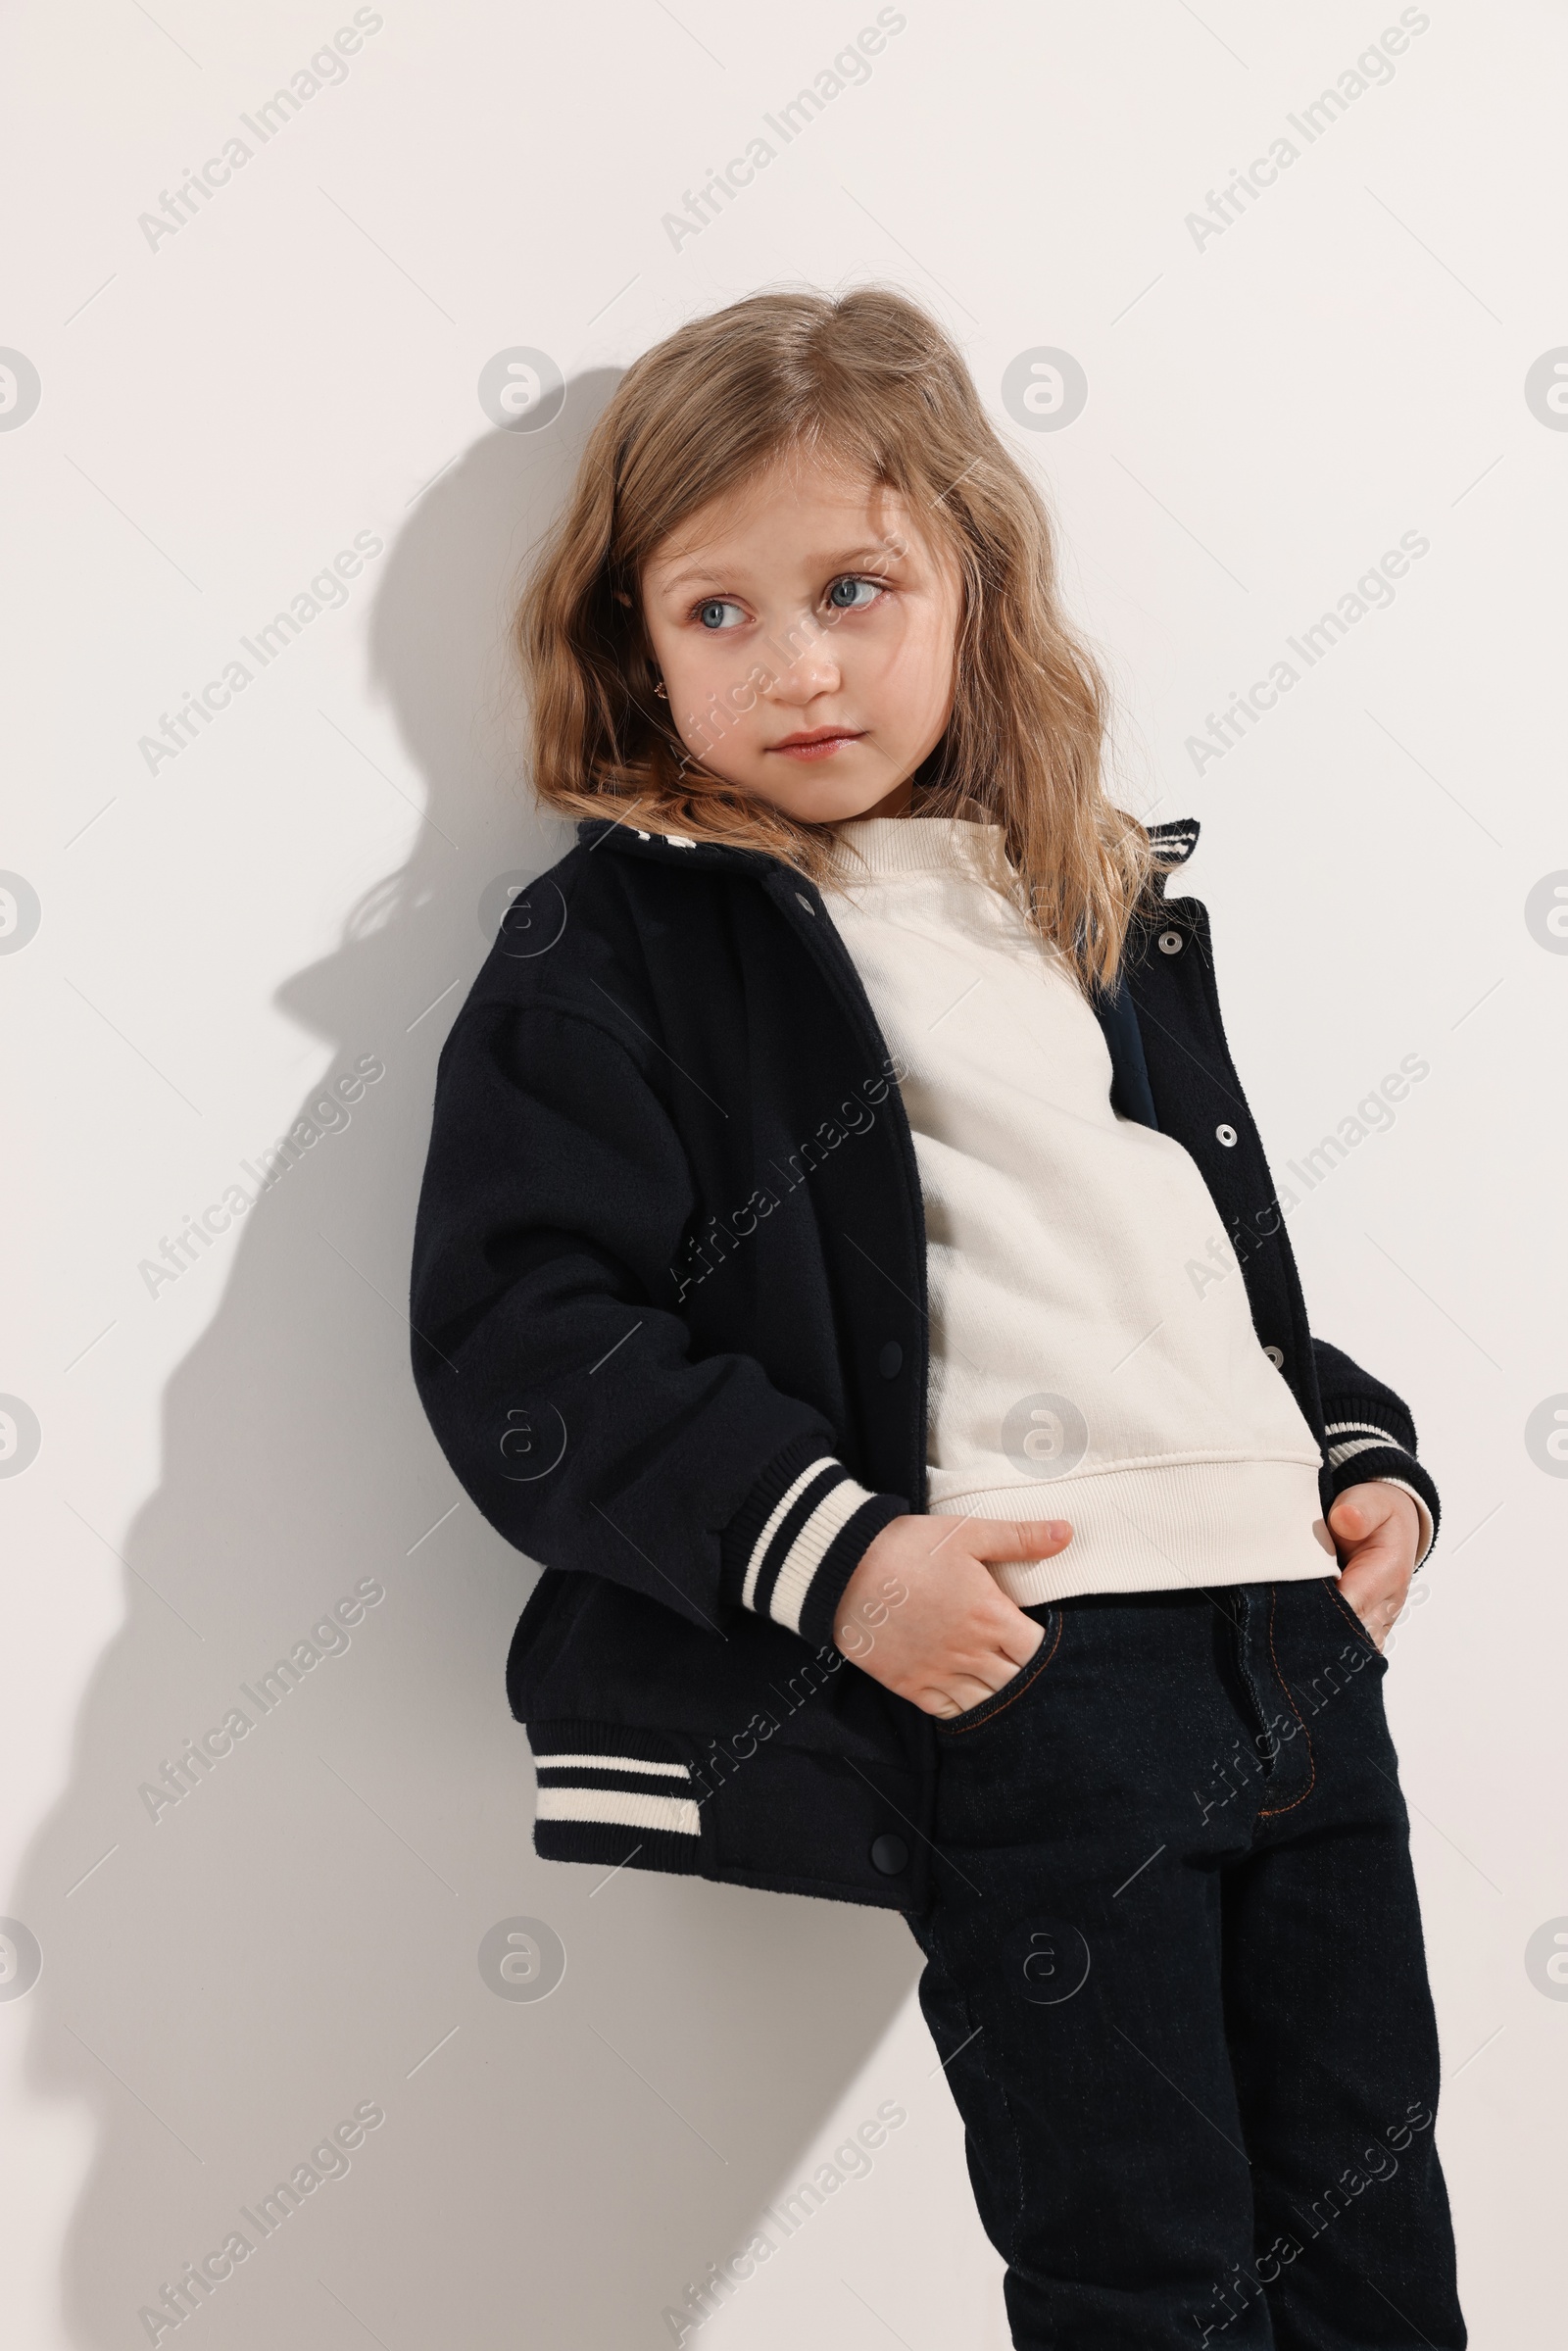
x,y
814,670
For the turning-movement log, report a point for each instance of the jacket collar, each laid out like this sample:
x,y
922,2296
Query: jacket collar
x,y
617,834
1113,1008
1176,841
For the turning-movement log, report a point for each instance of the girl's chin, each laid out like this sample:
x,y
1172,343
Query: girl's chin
x,y
827,807
816,792
822,799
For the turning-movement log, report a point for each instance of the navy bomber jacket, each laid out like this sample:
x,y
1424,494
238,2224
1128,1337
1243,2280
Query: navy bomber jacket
x,y
669,1310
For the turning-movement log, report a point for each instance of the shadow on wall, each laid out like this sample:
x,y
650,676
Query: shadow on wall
x,y
230,1974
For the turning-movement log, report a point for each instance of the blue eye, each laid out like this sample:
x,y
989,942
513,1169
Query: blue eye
x,y
845,595
711,615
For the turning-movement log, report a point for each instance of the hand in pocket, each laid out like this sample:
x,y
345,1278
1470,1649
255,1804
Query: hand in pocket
x,y
924,1615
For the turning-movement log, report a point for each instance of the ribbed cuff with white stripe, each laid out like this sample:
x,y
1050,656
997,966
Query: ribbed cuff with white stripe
x,y
798,1537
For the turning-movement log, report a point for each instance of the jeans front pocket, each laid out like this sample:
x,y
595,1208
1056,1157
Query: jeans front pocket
x,y
975,1718
1342,1606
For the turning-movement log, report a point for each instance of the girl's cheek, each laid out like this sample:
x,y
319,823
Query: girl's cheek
x,y
922,656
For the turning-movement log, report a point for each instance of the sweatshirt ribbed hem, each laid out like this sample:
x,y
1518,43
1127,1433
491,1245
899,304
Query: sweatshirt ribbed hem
x,y
1163,1527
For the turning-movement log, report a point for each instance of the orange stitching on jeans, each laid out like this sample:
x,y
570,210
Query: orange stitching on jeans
x,y
1267,1812
1341,1602
1016,1689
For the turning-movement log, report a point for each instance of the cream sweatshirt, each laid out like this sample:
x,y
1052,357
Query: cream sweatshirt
x,y
1077,1369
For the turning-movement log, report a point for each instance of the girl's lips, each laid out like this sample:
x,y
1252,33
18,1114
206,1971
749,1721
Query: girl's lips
x,y
820,746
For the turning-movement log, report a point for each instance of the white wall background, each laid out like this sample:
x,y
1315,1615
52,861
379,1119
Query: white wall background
x,y
220,412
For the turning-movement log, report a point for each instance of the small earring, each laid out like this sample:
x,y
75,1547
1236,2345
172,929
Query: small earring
x,y
662,690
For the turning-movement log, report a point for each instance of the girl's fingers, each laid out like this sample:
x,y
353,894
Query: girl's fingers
x,y
1040,1634
991,1539
959,1701
961,1691
946,1702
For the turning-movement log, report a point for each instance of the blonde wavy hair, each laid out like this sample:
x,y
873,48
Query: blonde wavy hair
x,y
871,383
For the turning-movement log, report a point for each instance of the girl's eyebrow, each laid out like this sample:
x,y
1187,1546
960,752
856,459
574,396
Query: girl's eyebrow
x,y
880,550
689,579
845,559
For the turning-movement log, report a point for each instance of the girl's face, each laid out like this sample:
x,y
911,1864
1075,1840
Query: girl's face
x,y
806,630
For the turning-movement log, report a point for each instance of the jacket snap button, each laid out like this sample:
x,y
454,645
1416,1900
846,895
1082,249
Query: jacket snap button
x,y
890,1855
1276,1355
1170,943
1227,1136
804,902
890,1362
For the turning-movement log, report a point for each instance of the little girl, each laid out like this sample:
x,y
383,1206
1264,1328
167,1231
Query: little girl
x,y
848,1261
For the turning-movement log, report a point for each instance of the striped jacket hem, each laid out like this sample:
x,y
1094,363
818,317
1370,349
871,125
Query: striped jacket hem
x,y
612,1794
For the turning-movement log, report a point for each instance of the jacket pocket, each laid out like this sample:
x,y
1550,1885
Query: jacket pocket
x,y
975,1718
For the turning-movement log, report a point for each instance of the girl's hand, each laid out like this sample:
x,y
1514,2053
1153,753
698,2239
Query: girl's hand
x,y
1377,1528
925,1616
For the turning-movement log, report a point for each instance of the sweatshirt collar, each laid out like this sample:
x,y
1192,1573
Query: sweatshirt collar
x,y
877,848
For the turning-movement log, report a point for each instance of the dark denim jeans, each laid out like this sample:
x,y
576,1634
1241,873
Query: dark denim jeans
x,y
1176,1975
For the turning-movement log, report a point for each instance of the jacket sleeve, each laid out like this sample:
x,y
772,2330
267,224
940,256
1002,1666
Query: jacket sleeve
x,y
1371,1436
563,1390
